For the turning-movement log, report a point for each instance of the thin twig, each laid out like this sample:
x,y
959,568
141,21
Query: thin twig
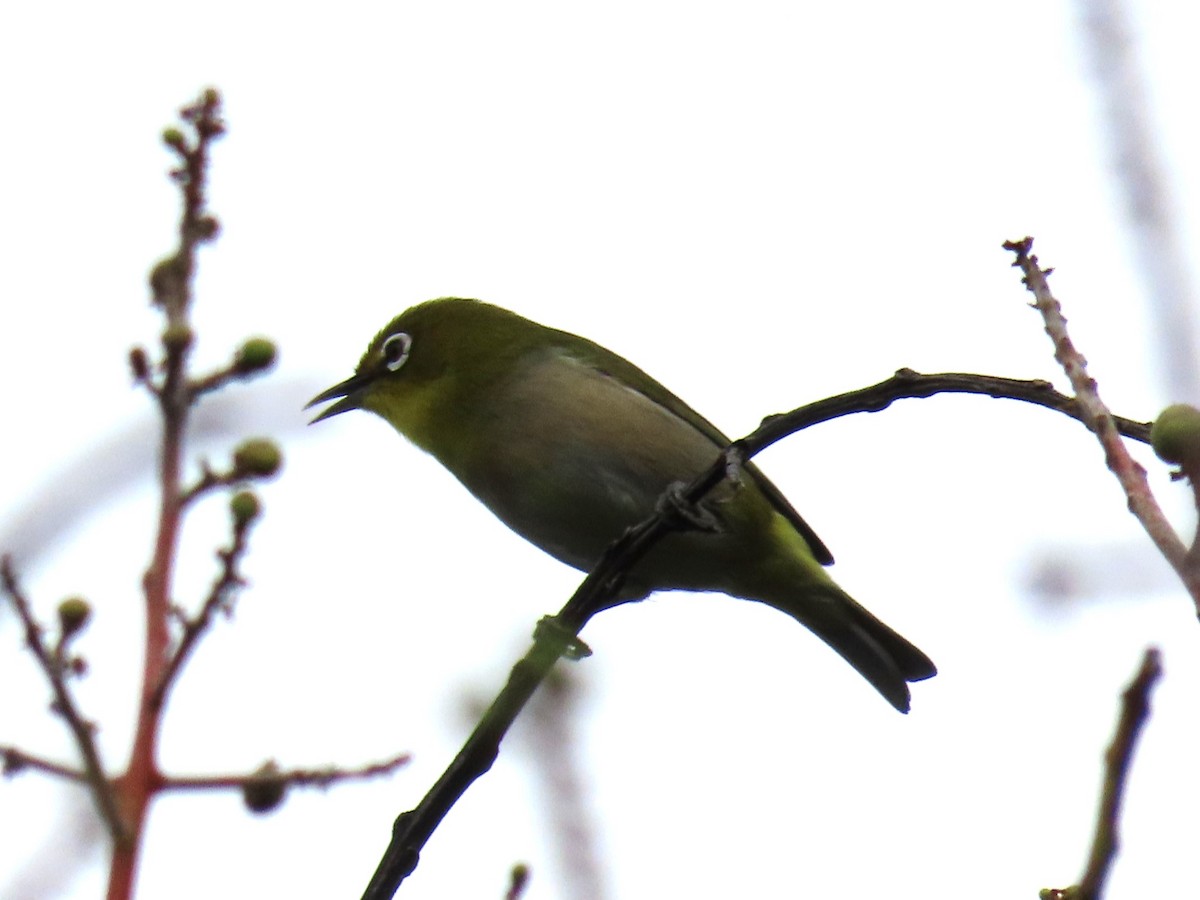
x,y
209,481
227,581
321,778
1130,474
64,704
1135,710
1136,154
16,760
518,881
213,381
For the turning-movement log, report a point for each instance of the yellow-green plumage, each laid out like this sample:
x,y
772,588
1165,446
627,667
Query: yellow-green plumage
x,y
569,444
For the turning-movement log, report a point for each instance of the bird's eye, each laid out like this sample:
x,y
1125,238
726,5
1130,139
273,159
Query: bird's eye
x,y
395,350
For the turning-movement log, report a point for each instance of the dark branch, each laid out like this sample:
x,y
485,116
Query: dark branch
x,y
1135,710
413,829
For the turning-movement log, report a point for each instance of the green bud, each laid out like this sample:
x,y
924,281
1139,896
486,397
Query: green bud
x,y
265,789
244,506
177,337
1175,435
165,277
256,354
257,457
73,614
174,139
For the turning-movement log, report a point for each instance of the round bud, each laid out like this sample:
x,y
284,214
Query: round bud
x,y
177,337
256,354
166,274
73,614
257,457
245,507
1175,435
174,139
265,789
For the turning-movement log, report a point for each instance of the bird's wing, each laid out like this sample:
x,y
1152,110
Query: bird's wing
x,y
608,363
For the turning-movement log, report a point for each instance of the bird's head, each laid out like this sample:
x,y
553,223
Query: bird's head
x,y
431,363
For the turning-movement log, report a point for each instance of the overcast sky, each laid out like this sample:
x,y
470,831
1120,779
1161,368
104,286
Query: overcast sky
x,y
761,204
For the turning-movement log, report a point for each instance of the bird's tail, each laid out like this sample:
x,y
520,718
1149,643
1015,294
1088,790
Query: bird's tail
x,y
883,657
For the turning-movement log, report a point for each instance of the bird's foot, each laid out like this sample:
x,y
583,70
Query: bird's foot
x,y
681,512
735,462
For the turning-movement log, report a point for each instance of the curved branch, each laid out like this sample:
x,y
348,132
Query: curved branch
x,y
558,636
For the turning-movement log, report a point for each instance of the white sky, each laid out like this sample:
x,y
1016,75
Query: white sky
x,y
761,204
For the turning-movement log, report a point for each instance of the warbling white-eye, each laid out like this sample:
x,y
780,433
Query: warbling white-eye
x,y
569,444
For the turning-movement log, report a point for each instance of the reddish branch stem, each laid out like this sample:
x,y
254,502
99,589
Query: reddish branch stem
x,y
172,292
1099,419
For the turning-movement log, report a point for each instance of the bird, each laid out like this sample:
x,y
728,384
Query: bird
x,y
569,444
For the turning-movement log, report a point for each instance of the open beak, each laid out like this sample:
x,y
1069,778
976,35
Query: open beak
x,y
350,391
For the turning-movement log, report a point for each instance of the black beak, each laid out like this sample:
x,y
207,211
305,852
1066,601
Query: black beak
x,y
350,391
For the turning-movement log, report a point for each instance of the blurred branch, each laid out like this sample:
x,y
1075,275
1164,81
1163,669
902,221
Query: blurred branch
x,y
558,767
518,881
558,635
1135,710
64,704
125,800
1163,261
1102,423
104,471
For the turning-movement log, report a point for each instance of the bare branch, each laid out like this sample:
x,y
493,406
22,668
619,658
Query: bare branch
x,y
17,760
64,704
1097,417
228,581
518,881
558,635
1135,710
320,778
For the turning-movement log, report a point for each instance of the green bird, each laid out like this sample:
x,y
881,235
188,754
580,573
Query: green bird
x,y
569,444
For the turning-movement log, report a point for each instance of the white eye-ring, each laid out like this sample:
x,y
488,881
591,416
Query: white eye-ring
x,y
395,350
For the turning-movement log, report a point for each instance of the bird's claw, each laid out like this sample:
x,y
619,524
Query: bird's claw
x,y
734,463
677,508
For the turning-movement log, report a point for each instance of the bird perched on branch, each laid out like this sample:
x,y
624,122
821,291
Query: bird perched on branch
x,y
569,444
